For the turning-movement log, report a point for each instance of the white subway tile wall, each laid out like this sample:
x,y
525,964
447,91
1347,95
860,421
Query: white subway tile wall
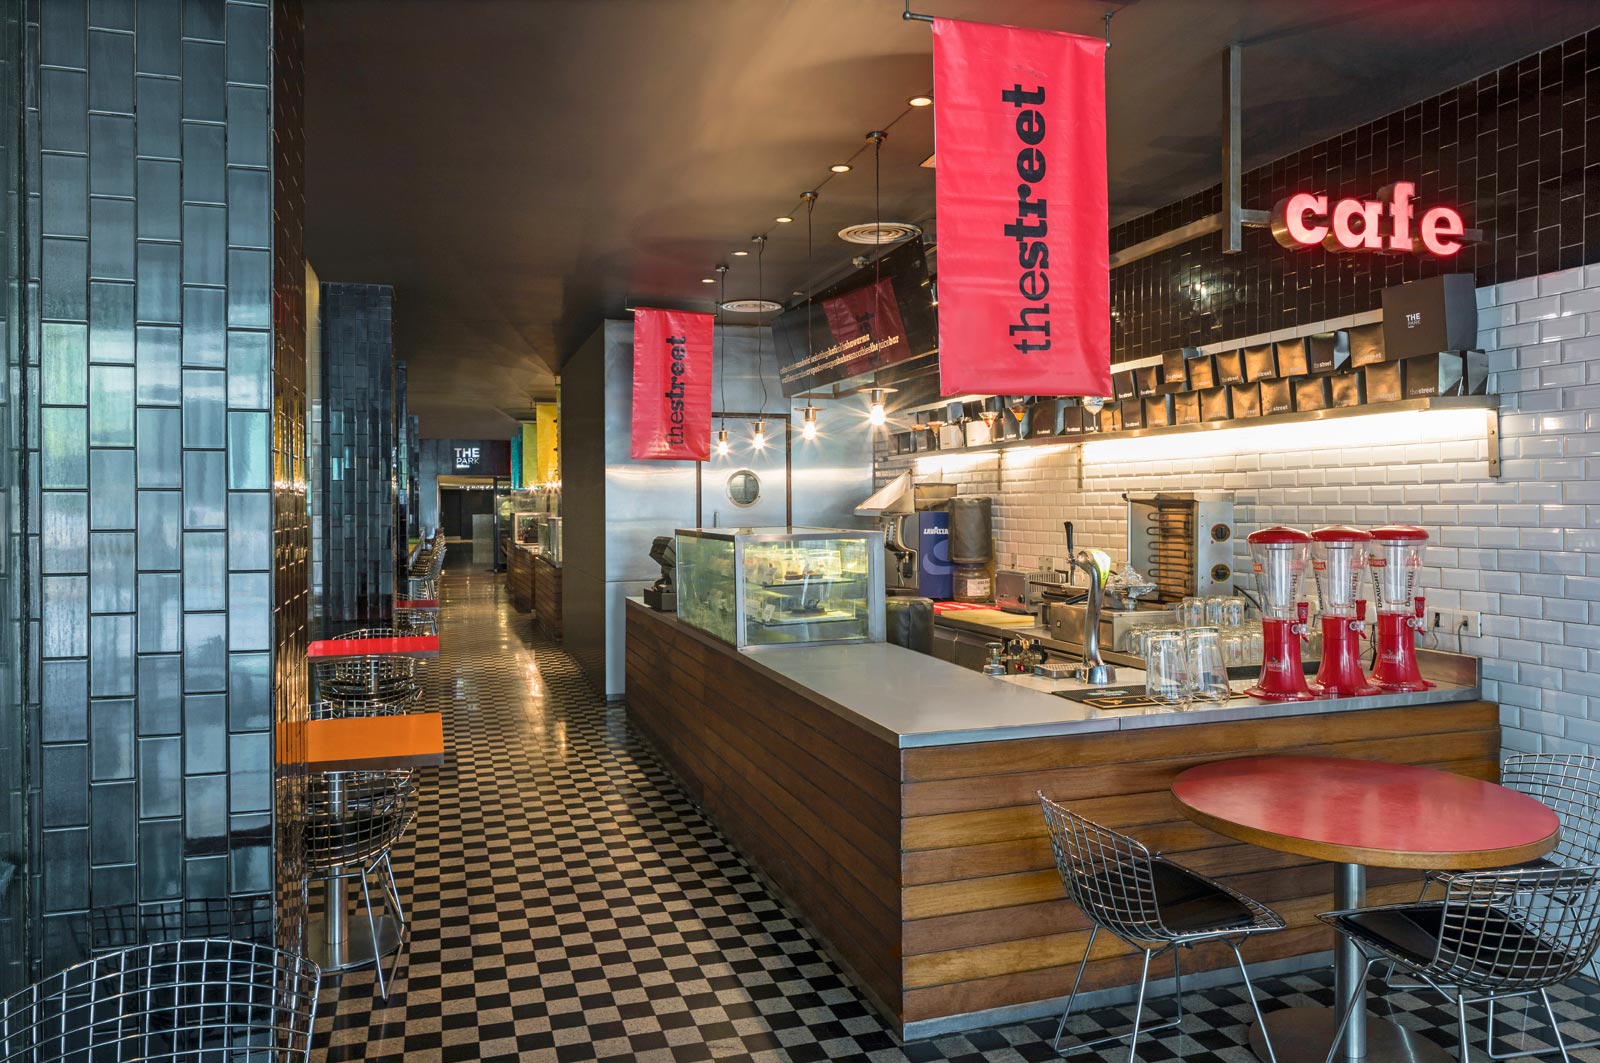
x,y
1523,550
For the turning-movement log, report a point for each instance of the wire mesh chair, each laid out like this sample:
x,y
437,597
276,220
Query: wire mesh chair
x,y
1569,783
1495,934
192,1000
380,685
1152,904
353,819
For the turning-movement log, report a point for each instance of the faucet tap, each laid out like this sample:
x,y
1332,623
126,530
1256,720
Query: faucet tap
x,y
1094,669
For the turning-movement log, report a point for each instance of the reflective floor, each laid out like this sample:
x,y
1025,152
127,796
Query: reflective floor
x,y
568,903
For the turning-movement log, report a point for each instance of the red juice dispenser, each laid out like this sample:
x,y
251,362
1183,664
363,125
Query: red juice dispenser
x,y
1338,559
1279,557
1395,560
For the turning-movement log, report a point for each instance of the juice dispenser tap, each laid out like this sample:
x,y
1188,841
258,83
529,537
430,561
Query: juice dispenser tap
x,y
1396,559
1278,555
1338,556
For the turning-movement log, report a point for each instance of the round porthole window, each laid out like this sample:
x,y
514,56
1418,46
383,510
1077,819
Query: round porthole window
x,y
744,487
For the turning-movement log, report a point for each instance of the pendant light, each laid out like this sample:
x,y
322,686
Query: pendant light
x,y
758,435
808,423
876,413
721,364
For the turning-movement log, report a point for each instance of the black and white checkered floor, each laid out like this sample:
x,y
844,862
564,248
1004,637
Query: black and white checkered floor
x,y
568,903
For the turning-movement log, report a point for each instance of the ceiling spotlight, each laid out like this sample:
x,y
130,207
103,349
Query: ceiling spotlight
x,y
740,254
876,414
808,424
758,435
920,101
783,219
708,280
840,167
722,442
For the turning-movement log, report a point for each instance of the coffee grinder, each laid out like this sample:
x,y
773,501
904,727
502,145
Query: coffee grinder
x,y
1396,558
1338,556
1278,555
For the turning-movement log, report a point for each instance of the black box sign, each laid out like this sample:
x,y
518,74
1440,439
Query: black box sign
x,y
1246,400
1366,344
1111,417
1430,316
1291,357
1328,352
1147,379
1312,393
1174,365
1383,381
1259,362
1276,397
1044,417
1122,385
1230,367
1348,389
1132,413
1215,405
1445,373
1157,410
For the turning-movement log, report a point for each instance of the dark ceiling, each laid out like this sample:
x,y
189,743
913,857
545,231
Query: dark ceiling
x,y
522,170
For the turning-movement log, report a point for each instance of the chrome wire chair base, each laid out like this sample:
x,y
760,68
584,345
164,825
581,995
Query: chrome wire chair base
x,y
361,942
1490,1002
1301,1033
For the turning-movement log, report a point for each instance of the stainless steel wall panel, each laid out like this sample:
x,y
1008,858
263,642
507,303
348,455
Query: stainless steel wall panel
x,y
205,236
160,182
111,321
204,79
111,489
205,315
64,200
159,283
110,72
111,150
63,293
248,118
204,173
160,103
111,244
159,357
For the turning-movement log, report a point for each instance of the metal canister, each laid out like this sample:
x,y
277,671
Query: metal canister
x,y
971,530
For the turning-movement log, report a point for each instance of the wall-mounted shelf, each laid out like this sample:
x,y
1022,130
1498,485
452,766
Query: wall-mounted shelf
x,y
1489,403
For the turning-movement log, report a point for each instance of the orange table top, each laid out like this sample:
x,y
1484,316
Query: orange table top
x,y
420,646
1367,812
375,743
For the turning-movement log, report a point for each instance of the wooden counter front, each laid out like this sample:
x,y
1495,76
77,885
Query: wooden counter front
x,y
547,596
520,578
928,870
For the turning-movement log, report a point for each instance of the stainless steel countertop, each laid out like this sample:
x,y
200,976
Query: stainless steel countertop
x,y
912,699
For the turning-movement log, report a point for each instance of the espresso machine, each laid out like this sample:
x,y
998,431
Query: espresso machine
x,y
915,522
1338,558
1395,560
1279,555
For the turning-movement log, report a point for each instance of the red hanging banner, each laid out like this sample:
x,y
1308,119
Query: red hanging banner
x,y
671,385
1024,262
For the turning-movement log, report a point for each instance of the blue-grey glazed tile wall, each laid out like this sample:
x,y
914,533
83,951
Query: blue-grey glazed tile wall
x,y
168,455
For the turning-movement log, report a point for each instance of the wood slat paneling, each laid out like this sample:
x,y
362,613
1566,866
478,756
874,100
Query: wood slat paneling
x,y
547,597
928,871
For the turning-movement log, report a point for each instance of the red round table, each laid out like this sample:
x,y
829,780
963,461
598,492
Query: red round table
x,y
1360,814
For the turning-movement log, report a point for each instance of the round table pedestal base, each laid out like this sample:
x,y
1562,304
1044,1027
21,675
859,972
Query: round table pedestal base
x,y
356,949
1301,1035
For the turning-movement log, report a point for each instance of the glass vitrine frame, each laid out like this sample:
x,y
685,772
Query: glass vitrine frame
x,y
735,543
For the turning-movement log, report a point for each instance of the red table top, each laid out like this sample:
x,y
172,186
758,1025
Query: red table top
x,y
416,604
410,646
1367,812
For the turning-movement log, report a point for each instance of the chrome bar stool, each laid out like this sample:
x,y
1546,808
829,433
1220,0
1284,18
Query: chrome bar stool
x,y
1150,903
1495,934
190,1000
353,819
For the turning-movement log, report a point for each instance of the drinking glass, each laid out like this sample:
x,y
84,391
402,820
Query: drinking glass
x,y
1233,649
1208,674
1192,612
1166,676
1232,612
1213,607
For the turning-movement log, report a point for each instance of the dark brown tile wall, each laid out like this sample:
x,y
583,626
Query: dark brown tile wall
x,y
1517,151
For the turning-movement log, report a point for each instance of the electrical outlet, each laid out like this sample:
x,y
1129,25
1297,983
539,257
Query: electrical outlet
x,y
1465,623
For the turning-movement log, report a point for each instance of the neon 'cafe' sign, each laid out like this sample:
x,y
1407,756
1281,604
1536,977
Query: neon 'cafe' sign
x,y
1388,223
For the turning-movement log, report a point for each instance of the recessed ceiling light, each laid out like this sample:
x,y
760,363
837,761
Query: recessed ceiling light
x,y
751,306
708,280
740,254
783,219
840,167
920,101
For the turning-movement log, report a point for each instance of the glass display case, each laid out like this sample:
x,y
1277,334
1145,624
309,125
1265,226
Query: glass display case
x,y
757,587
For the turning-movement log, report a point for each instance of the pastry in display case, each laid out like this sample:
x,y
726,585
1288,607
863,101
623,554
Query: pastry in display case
x,y
774,586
